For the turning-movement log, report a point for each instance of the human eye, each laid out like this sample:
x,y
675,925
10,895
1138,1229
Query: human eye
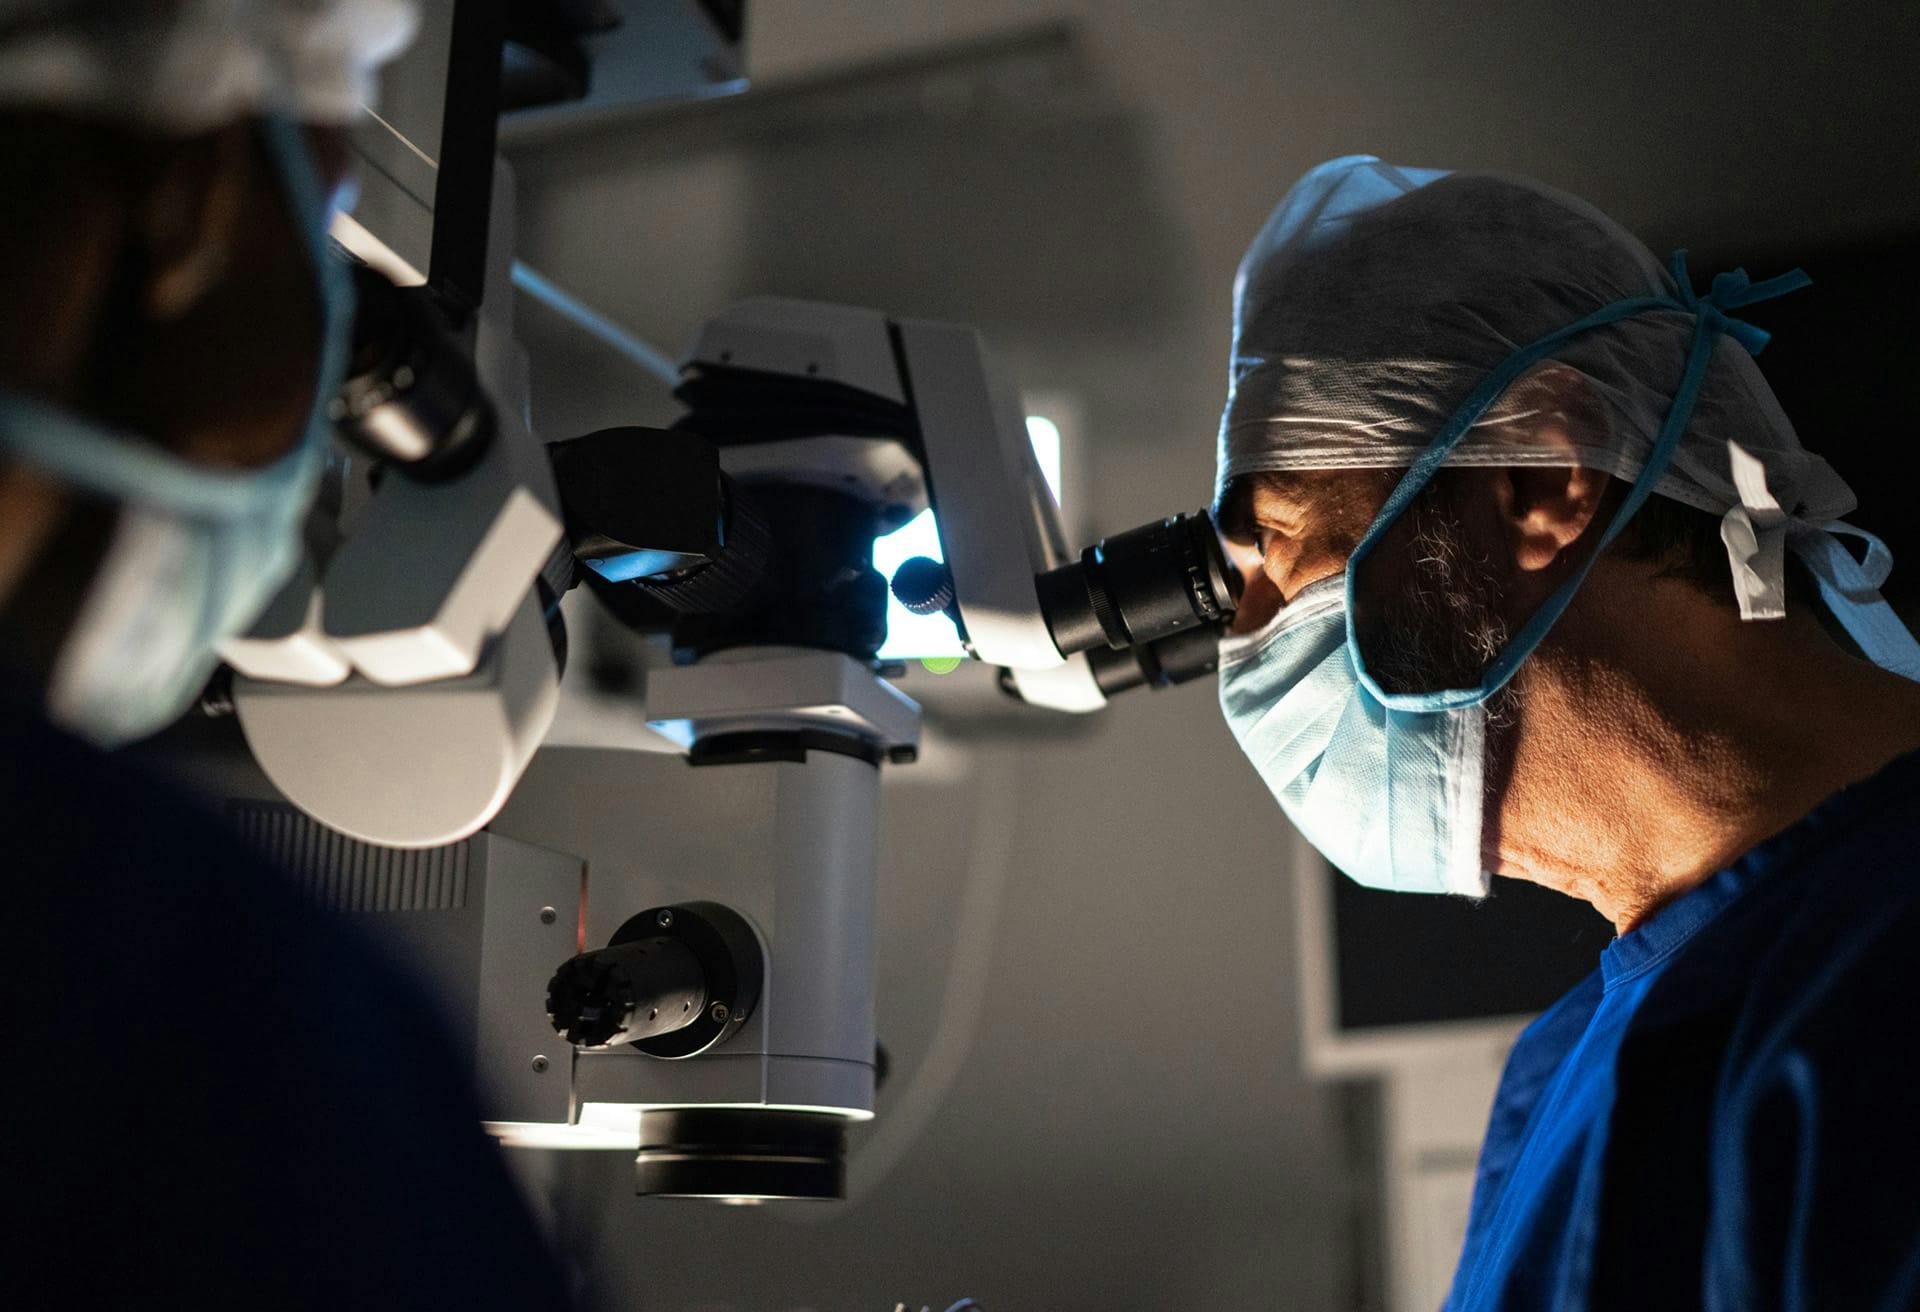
x,y
1269,533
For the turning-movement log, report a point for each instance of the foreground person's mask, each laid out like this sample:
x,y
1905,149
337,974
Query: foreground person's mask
x,y
1388,785
197,553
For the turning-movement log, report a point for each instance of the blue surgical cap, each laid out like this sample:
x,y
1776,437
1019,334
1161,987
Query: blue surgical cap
x,y
1376,297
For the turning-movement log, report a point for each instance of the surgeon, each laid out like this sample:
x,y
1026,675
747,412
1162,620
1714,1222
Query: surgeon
x,y
1542,585
210,1095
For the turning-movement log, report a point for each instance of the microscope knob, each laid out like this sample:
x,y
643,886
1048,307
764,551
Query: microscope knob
x,y
627,992
923,586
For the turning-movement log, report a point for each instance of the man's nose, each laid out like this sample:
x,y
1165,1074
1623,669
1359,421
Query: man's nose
x,y
1259,598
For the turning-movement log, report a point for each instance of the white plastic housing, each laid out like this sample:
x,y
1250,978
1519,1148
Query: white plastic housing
x,y
790,846
999,526
288,643
807,339
408,767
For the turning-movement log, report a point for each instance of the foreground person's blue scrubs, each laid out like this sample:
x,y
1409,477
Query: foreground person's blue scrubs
x,y
215,1096
1727,1113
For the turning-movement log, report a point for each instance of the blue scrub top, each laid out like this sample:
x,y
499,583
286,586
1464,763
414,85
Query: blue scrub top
x,y
212,1094
1726,1114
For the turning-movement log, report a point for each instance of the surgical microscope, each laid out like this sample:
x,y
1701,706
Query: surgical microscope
x,y
666,952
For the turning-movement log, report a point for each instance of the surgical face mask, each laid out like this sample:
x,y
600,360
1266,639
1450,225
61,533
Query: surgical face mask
x,y
1391,797
196,552
1389,786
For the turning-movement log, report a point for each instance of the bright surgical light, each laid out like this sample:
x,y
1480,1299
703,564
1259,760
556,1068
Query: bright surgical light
x,y
911,636
1045,436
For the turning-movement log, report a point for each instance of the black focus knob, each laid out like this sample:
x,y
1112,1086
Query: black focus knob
x,y
923,586
622,994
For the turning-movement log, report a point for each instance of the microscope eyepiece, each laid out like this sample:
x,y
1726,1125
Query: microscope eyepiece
x,y
412,397
1136,588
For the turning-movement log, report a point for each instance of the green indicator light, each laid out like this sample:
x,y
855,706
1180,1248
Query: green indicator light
x,y
942,664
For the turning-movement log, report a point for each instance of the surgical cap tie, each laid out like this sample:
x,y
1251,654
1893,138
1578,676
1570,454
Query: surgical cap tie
x,y
1733,290
1754,530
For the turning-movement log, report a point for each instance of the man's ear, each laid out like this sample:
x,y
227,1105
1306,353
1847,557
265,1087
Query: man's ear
x,y
189,216
1546,508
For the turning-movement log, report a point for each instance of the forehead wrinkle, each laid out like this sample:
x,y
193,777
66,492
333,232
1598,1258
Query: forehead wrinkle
x,y
1319,499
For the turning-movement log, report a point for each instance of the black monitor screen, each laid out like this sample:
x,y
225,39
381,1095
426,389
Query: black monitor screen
x,y
1413,959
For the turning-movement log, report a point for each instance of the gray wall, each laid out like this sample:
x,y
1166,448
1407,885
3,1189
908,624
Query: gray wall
x,y
1128,1128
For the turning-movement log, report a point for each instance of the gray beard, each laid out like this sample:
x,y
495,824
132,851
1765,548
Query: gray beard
x,y
1446,629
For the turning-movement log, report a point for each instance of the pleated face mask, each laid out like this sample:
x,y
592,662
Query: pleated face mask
x,y
1391,797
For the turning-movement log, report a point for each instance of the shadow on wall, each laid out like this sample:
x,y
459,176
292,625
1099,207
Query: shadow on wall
x,y
1025,223
998,182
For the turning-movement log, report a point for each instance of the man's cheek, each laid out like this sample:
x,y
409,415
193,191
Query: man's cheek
x,y
1385,576
1259,601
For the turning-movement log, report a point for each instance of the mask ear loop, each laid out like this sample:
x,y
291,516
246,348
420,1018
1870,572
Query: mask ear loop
x,y
311,212
1709,322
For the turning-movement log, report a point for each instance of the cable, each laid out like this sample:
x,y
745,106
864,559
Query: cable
x,y
595,324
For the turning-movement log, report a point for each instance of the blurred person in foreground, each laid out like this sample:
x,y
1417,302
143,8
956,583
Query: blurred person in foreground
x,y
213,1095
1540,583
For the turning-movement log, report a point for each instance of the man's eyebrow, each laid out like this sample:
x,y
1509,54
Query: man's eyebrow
x,y
1280,499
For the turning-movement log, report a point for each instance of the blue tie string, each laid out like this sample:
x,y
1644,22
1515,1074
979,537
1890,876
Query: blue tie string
x,y
1733,290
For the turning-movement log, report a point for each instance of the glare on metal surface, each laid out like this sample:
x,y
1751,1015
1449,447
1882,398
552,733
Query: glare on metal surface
x,y
911,636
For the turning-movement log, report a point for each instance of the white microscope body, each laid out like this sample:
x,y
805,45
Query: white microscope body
x,y
399,707
669,952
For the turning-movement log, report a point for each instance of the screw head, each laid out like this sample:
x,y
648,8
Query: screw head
x,y
548,915
540,1065
719,1012
664,919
